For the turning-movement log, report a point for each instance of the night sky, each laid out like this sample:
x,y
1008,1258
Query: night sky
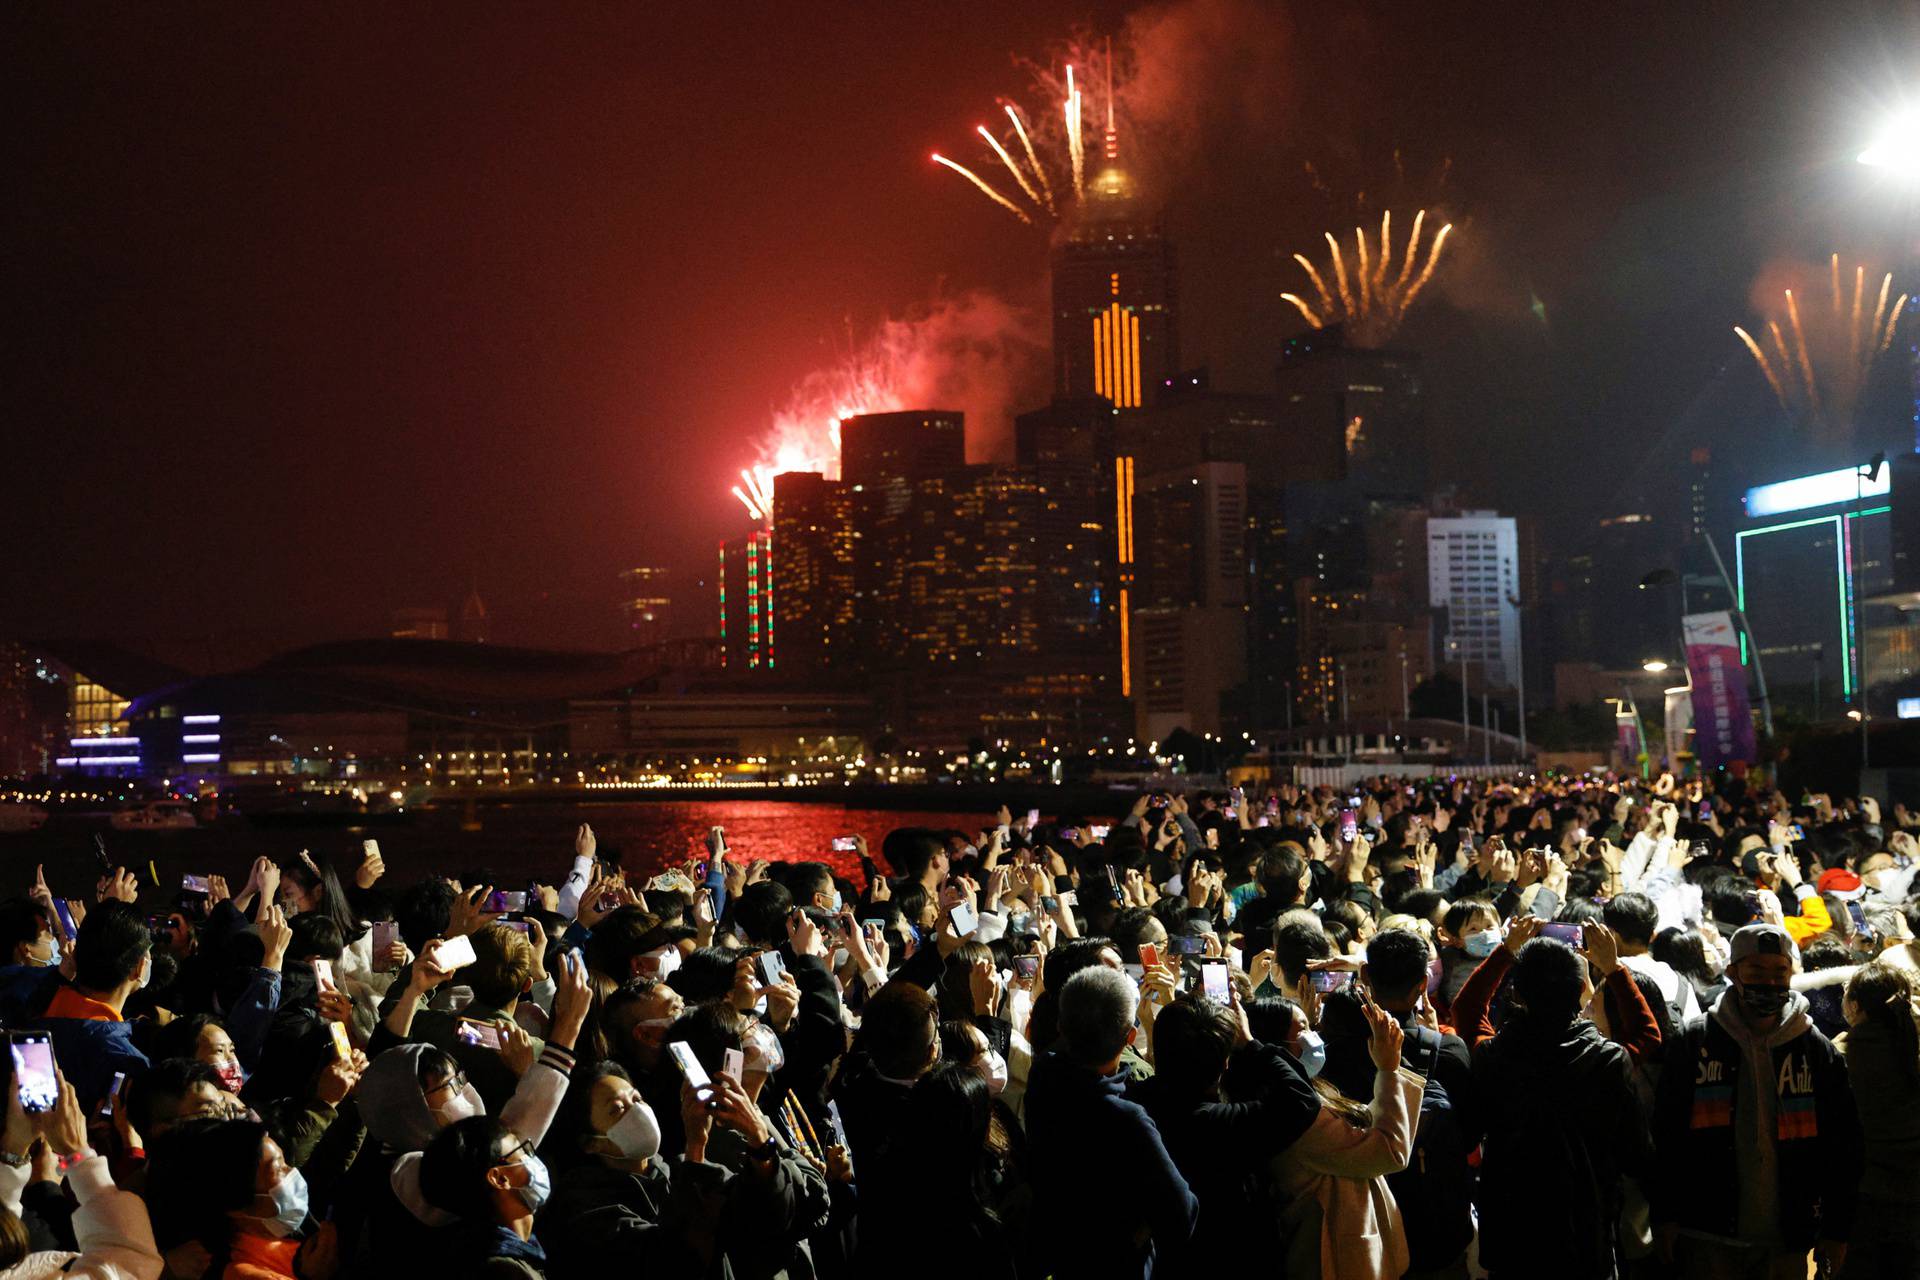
x,y
319,312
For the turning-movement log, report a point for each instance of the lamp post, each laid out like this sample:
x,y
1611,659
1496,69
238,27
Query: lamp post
x,y
1861,475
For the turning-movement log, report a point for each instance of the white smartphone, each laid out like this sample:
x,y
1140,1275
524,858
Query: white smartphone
x,y
454,953
734,1063
323,973
690,1065
964,920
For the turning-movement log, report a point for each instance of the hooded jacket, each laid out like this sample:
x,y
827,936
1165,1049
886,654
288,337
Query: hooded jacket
x,y
1562,1123
1707,1138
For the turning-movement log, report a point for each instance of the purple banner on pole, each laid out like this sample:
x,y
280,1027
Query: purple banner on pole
x,y
1722,721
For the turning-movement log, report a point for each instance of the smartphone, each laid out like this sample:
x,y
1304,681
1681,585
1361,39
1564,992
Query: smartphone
x,y
1214,982
1859,915
1149,955
690,1064
481,1034
1033,819
113,1091
501,900
67,926
1027,966
845,844
1049,904
1069,833
517,924
771,967
1098,830
385,934
343,1047
194,884
964,920
1799,832
1328,981
1579,833
1572,934
1349,826
1705,811
734,1063
33,1073
1189,944
1113,883
454,953
1069,897
100,854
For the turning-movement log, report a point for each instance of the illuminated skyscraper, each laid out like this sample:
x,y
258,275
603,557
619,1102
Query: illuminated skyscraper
x,y
645,607
814,539
1114,331
746,602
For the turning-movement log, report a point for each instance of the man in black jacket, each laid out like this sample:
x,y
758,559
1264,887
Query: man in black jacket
x,y
1111,1200
1562,1123
1760,1148
1223,1148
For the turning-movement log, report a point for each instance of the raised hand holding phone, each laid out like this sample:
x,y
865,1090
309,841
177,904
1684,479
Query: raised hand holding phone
x,y
1384,1044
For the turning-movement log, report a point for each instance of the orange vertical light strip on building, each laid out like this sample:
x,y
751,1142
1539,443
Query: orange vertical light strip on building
x,y
1129,462
1126,650
1099,355
1116,330
1133,357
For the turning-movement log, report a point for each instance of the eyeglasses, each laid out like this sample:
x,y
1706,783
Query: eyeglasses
x,y
515,1154
457,1082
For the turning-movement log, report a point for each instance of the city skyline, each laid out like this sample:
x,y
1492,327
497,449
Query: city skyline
x,y
258,361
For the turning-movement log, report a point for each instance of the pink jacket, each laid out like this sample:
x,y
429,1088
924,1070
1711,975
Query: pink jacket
x,y
1343,1223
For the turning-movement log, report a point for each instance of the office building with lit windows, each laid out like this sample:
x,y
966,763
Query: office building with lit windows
x,y
1473,578
747,621
1115,317
815,538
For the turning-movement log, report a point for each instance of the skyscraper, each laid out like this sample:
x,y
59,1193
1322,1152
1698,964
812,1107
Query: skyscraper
x,y
746,602
645,608
1368,400
886,452
1114,312
814,541
1473,574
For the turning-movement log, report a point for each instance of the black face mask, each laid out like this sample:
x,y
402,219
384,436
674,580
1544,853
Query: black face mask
x,y
1763,1002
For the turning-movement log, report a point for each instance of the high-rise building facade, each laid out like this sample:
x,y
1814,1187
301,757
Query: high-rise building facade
x,y
814,543
747,621
1473,575
645,607
1115,330
1362,404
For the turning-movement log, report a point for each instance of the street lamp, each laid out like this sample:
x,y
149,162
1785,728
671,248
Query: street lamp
x,y
1654,665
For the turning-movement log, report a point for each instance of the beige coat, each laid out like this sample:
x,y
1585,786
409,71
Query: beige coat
x,y
1342,1223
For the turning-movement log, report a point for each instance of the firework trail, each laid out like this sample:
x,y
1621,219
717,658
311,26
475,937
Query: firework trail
x,y
1076,141
1816,361
1372,299
985,189
1033,159
1007,160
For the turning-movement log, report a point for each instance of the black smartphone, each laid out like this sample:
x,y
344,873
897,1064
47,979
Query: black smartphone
x,y
1572,934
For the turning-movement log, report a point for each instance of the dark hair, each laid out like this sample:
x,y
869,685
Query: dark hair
x,y
1632,916
709,1028
162,1087
315,935
423,912
705,974
21,921
574,1123
14,1243
1884,996
951,1109
181,1037
1685,952
112,945
761,912
1548,981
897,1028
1270,1018
454,1167
1464,910
333,902
1063,962
1192,1039
1128,930
809,878
1297,942
197,1173
1421,904
1728,899
953,990
911,850
617,939
1397,962
1280,871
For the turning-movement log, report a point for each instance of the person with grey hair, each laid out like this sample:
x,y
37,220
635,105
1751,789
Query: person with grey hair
x,y
1115,1202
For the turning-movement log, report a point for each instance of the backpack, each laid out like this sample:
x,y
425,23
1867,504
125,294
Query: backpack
x,y
1435,1190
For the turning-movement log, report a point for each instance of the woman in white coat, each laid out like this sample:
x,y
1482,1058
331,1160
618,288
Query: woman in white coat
x,y
1342,1222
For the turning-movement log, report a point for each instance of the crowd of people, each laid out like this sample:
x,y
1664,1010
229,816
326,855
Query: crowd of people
x,y
1576,1027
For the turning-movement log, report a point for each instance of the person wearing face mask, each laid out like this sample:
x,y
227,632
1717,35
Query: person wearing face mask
x,y
1005,1168
1882,1048
27,935
1469,933
1226,1105
631,1197
1556,1102
1760,1144
635,1018
490,1183
1339,1221
742,1140
225,1185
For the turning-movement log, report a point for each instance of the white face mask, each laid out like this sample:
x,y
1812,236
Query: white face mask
x,y
763,1049
636,1135
460,1106
146,971
996,1073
